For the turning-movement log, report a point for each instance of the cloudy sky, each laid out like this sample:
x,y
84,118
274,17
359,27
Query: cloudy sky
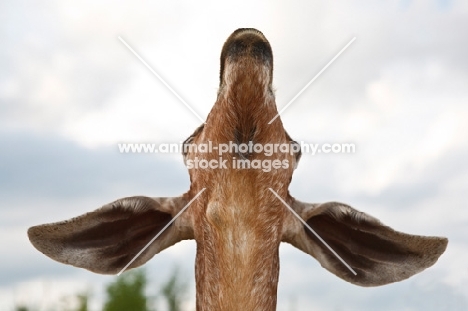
x,y
70,91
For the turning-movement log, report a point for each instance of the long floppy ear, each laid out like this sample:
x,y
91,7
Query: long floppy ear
x,y
107,239
377,253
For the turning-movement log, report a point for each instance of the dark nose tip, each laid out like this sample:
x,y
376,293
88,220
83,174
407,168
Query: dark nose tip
x,y
248,42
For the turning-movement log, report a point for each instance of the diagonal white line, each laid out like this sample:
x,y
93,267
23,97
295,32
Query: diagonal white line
x,y
313,79
162,230
161,79
313,231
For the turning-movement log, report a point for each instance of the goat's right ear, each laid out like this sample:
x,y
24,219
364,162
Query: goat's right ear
x,y
106,240
377,253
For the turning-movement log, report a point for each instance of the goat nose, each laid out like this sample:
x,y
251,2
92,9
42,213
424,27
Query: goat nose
x,y
247,46
248,42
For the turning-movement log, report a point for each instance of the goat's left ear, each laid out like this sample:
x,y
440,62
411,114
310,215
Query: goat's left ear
x,y
377,253
106,240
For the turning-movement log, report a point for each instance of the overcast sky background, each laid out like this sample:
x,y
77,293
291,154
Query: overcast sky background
x,y
70,91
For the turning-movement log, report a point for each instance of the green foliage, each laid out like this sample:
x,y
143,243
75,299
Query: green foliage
x,y
128,292
174,291
82,302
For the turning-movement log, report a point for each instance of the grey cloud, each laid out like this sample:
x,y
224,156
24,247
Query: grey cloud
x,y
39,166
419,186
46,179
22,268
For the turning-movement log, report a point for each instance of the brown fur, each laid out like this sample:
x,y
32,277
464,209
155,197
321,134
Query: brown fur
x,y
240,221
